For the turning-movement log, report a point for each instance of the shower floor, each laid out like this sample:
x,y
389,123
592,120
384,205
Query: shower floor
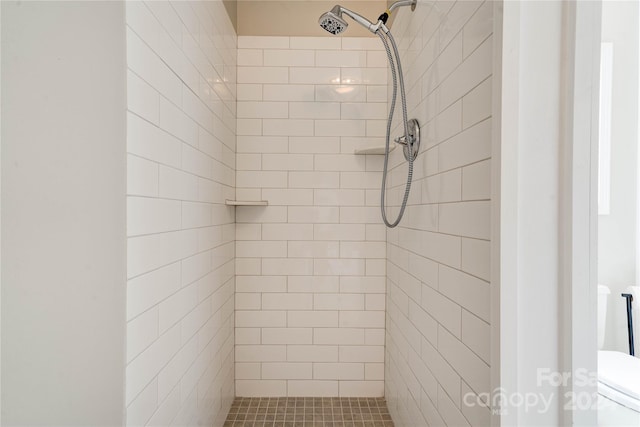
x,y
308,411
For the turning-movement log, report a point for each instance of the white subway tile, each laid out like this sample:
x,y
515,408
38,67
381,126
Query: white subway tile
x,y
343,93
339,58
363,76
368,110
313,214
476,334
261,179
247,301
261,353
143,406
249,127
314,110
374,371
149,289
261,249
248,162
355,215
287,162
147,215
289,92
147,365
263,42
261,214
312,353
476,181
250,92
247,371
142,99
314,43
362,319
289,58
262,110
468,291
149,141
361,388
287,371
260,319
338,302
335,267
297,336
361,353
362,285
288,301
478,28
313,75
261,283
313,284
375,302
261,388
473,369
287,266
177,123
339,232
312,319
469,219
149,252
338,336
141,332
361,43
312,388
337,197
287,232
263,74
247,335
142,177
176,184
287,127
313,180
262,144
340,128
476,105
250,57
338,371
476,258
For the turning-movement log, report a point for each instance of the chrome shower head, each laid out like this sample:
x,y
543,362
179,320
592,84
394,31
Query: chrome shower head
x,y
332,21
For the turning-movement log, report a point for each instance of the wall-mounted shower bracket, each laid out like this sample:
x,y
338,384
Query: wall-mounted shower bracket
x,y
411,143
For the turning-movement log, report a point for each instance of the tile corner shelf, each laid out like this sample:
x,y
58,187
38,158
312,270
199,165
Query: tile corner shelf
x,y
246,202
373,150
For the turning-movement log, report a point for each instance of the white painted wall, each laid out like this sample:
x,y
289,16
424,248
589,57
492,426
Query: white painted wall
x,y
617,232
438,258
63,213
311,265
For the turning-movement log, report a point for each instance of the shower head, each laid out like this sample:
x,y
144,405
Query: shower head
x,y
332,21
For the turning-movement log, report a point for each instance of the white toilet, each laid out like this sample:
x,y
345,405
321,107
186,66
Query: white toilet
x,y
618,376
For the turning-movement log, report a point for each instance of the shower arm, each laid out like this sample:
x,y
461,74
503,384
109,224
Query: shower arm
x,y
400,3
382,19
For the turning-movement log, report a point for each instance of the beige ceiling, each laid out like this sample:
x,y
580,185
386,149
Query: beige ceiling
x,y
298,17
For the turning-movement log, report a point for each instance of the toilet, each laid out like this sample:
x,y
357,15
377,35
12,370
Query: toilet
x,y
618,376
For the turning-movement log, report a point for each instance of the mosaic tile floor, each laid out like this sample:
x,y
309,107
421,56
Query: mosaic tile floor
x,y
308,412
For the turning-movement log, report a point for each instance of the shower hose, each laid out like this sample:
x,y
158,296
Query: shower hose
x,y
396,78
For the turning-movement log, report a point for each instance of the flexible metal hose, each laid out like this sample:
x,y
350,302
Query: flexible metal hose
x,y
406,129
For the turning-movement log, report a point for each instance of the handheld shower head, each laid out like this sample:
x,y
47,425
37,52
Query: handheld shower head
x,y
332,21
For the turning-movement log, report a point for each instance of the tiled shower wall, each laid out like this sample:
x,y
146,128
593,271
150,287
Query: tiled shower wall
x,y
181,59
438,258
310,266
